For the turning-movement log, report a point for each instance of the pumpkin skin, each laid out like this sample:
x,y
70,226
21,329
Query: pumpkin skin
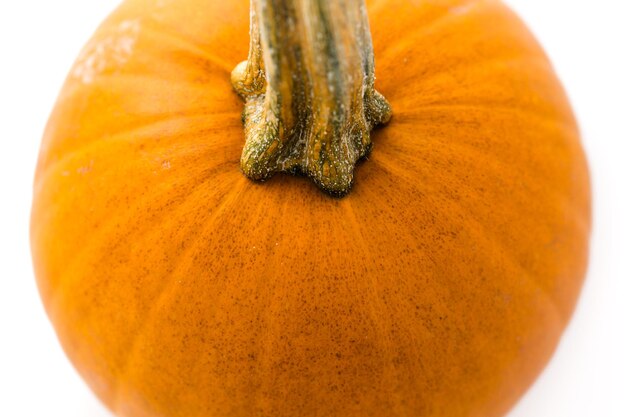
x,y
438,287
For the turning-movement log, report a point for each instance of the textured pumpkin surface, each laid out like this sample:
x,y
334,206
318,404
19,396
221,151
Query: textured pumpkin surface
x,y
438,287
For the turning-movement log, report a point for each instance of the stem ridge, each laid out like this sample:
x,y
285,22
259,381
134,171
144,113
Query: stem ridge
x,y
308,86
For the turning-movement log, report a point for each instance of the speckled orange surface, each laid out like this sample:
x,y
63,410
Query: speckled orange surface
x,y
438,287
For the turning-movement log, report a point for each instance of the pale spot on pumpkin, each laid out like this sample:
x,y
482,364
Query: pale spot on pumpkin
x,y
108,54
85,169
160,3
462,9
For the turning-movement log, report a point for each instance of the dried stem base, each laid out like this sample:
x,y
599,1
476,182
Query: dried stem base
x,y
309,90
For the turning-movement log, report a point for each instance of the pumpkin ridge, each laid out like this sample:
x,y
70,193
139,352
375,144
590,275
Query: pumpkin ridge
x,y
382,327
388,160
266,315
182,86
406,117
398,93
108,225
161,33
481,238
431,27
443,16
417,360
524,272
459,209
486,240
576,217
141,88
135,77
227,200
123,136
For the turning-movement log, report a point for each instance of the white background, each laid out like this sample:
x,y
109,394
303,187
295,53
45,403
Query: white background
x,y
587,42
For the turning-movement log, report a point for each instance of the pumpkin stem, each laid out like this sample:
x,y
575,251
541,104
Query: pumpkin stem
x,y
308,84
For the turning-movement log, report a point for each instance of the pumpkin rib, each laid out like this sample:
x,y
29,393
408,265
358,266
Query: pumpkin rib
x,y
479,234
404,151
270,337
485,244
186,198
266,309
407,116
389,161
443,24
463,63
383,328
417,360
135,89
399,94
151,25
517,264
130,213
123,136
576,218
459,209
153,82
554,132
133,80
88,312
433,22
474,150
228,200
181,43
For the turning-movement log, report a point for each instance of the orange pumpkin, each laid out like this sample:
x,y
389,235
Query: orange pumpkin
x,y
438,286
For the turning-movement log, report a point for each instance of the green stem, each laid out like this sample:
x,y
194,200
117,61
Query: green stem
x,y
308,84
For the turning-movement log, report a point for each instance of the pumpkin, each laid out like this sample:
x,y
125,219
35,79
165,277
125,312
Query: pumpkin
x,y
437,285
